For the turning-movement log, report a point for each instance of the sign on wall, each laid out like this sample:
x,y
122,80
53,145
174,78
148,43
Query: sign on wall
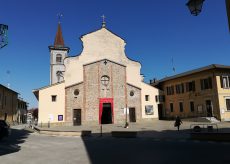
x,y
126,111
200,109
148,109
51,117
60,117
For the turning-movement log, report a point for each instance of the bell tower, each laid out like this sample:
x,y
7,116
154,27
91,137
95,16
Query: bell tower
x,y
58,52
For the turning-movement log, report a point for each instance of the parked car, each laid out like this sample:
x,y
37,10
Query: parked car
x,y
4,129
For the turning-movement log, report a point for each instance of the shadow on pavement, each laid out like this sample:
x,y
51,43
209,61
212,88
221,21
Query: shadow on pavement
x,y
108,149
150,146
10,144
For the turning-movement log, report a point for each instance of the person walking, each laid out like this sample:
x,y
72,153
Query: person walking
x,y
178,122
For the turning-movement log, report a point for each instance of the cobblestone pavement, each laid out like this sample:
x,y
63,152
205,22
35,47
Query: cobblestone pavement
x,y
154,128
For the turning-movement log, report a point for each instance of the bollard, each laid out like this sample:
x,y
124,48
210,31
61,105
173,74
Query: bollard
x,y
101,130
48,124
41,124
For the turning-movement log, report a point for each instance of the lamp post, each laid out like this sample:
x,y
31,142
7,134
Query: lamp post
x,y
195,6
126,117
3,35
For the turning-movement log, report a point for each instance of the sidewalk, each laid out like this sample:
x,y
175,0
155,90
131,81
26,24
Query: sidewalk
x,y
157,129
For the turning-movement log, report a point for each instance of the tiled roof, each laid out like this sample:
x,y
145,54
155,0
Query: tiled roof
x,y
209,67
59,41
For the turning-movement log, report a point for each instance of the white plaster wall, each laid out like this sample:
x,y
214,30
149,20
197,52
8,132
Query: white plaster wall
x,y
47,107
54,74
54,67
152,92
54,53
101,44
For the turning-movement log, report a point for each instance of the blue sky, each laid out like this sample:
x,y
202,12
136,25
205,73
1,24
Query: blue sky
x,y
155,32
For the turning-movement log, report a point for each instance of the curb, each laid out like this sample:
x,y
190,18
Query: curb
x,y
83,133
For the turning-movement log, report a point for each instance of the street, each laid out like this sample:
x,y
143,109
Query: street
x,y
32,148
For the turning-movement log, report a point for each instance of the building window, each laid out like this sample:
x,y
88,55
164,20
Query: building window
x,y
191,106
170,90
190,86
156,98
59,58
131,93
76,92
171,107
180,88
181,106
160,98
148,109
228,104
54,98
105,80
146,97
206,83
225,81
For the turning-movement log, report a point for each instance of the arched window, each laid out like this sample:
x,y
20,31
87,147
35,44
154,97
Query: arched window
x,y
58,58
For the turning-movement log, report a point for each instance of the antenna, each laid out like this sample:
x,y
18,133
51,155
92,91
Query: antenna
x,y
8,75
173,68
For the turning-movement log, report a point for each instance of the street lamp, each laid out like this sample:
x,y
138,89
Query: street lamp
x,y
3,35
195,6
126,117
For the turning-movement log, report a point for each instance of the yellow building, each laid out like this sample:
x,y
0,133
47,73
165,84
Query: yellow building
x,y
203,92
8,104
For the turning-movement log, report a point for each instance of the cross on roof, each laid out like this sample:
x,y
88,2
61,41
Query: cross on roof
x,y
103,20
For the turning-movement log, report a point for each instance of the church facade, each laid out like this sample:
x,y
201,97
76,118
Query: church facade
x,y
99,86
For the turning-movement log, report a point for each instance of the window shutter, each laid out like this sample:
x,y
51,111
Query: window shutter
x,y
228,81
228,104
221,82
193,86
182,87
210,82
201,84
156,98
187,87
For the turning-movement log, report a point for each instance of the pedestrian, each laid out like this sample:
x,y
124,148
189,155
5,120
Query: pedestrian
x,y
178,122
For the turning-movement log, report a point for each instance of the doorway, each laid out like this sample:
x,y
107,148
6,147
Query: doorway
x,y
76,117
132,115
209,108
106,116
160,111
106,113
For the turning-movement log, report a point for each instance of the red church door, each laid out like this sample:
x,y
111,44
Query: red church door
x,y
106,113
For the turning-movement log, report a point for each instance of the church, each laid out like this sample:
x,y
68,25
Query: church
x,y
101,85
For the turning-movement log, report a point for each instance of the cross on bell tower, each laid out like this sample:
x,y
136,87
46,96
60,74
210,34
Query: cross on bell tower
x,y
58,52
60,15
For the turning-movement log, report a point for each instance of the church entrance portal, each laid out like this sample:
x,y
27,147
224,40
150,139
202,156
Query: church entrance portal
x,y
106,117
106,111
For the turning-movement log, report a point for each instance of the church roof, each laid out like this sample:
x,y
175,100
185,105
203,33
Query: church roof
x,y
103,27
59,41
2,86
